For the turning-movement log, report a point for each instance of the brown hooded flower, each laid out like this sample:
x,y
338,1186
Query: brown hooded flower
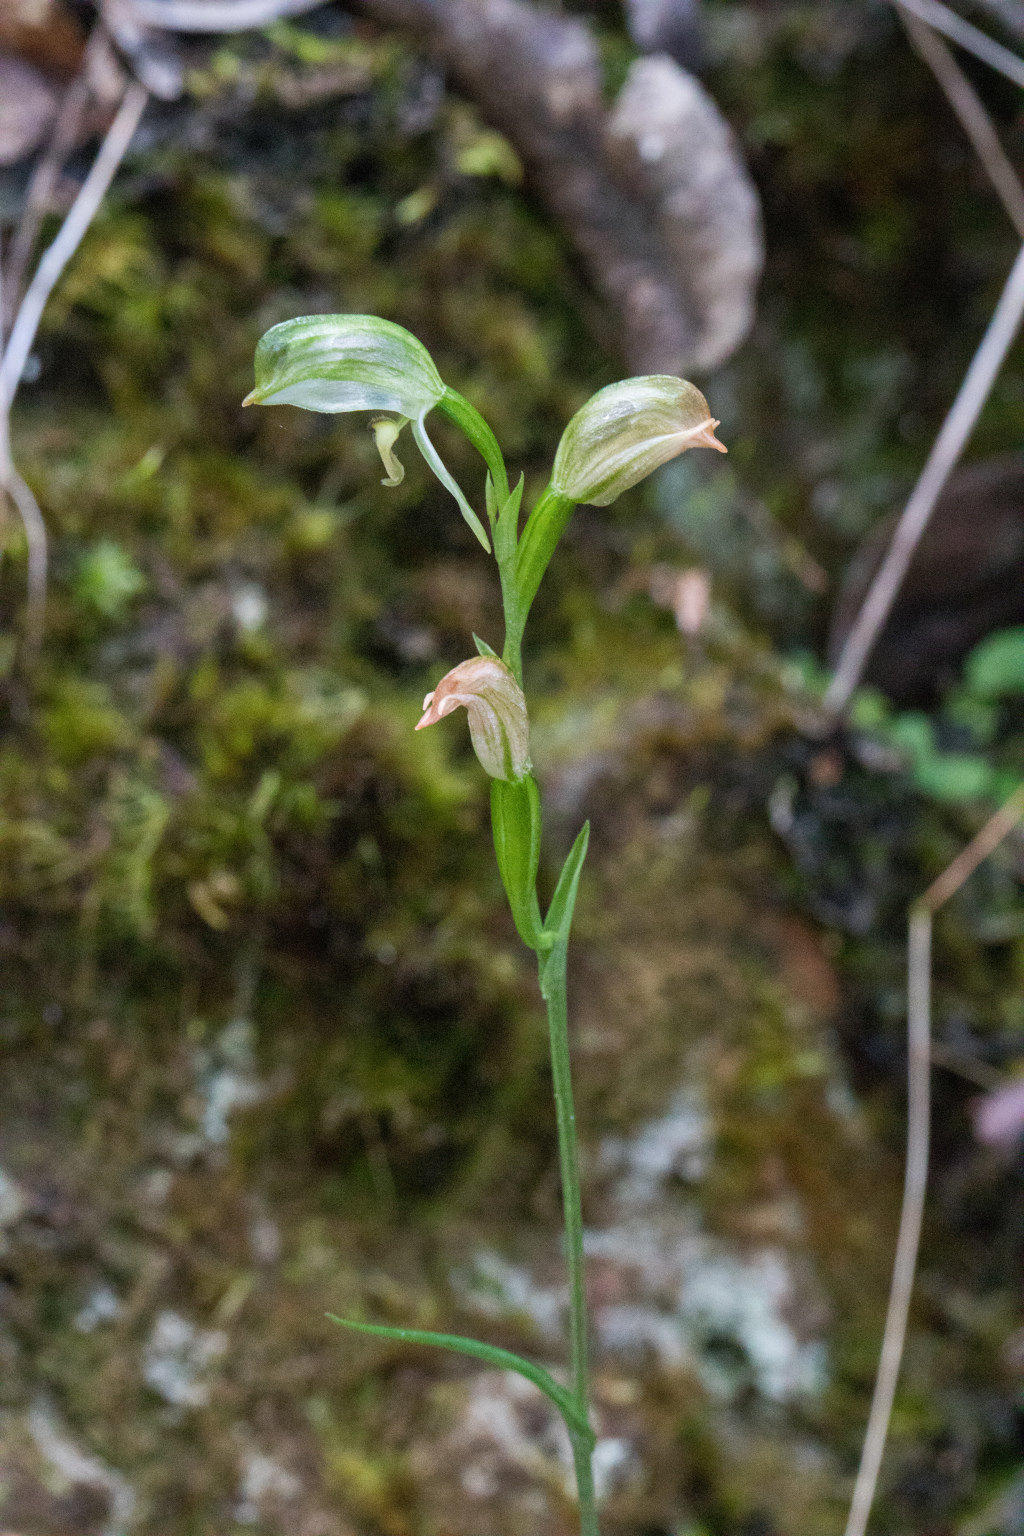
x,y
494,702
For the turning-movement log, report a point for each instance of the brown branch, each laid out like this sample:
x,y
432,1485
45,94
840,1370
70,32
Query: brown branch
x,y
535,76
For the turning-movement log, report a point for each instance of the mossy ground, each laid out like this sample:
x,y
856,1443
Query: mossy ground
x,y
270,1046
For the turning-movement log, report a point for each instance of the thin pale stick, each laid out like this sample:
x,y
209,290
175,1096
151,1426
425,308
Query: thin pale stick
x,y
915,1183
975,121
921,1053
948,446
217,15
977,850
23,333
35,538
13,486
40,192
969,1068
5,425
1009,12
971,38
55,259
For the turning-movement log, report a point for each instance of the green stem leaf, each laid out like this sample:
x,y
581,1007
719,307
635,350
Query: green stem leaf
x,y
504,1359
563,902
507,530
516,823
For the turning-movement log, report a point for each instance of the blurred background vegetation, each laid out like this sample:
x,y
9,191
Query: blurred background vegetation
x,y
270,1047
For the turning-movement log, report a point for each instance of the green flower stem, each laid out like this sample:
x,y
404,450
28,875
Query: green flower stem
x,y
544,528
582,1455
516,823
506,549
515,623
553,986
521,578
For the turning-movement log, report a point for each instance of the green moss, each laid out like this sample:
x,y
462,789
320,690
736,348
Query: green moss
x,y
228,866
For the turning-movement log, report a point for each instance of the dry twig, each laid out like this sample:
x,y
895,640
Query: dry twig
x,y
43,183
975,121
920,1056
1009,12
217,15
916,1179
23,334
112,152
948,446
979,379
183,15
988,359
13,486
34,527
976,852
966,36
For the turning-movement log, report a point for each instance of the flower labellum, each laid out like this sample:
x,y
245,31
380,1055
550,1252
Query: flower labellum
x,y
385,430
494,702
338,363
626,431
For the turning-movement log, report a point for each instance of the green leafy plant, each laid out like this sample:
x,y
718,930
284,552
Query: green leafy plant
x,y
336,363
969,750
107,580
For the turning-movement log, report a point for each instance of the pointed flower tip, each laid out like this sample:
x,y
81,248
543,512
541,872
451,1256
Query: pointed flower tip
x,y
498,723
706,438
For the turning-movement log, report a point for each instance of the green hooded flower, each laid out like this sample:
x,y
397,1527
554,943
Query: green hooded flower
x,y
626,431
336,363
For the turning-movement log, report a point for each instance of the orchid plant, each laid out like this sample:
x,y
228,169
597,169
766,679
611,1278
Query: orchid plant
x,y
337,363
